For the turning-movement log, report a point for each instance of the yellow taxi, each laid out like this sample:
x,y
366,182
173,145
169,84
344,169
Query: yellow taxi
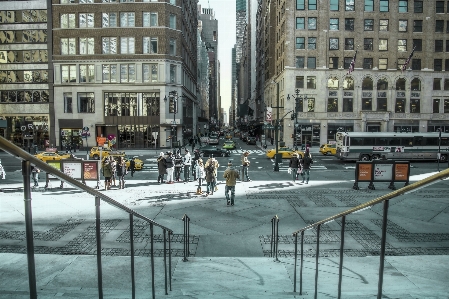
x,y
50,156
228,135
328,149
95,152
138,164
286,152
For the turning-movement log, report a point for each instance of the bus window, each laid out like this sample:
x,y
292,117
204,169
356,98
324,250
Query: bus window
x,y
395,141
407,141
382,141
432,141
356,141
368,141
444,141
418,141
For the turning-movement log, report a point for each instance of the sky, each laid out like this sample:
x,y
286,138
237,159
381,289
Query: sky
x,y
225,14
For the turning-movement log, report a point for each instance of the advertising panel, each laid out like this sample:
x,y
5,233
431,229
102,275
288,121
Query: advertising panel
x,y
365,171
55,164
90,171
72,169
401,172
383,172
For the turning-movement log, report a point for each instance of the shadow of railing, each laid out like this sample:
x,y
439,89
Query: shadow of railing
x,y
27,160
382,199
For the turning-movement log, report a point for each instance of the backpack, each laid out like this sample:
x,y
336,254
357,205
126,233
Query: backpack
x,y
210,167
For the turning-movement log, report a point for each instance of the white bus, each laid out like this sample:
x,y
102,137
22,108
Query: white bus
x,y
365,146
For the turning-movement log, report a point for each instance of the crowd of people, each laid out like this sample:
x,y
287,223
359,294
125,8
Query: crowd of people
x,y
301,166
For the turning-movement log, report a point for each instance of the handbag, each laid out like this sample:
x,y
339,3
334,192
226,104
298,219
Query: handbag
x,y
289,170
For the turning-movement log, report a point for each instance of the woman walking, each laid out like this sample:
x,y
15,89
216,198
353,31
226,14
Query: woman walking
x,y
200,175
161,168
120,168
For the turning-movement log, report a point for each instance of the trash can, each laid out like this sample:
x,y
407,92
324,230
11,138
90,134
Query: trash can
x,y
278,158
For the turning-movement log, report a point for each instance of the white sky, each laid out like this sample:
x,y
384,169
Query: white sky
x,y
225,14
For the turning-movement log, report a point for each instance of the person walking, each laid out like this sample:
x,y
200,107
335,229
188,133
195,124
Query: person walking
x,y
169,165
295,166
107,173
162,170
306,162
187,160
120,168
132,166
2,171
230,175
200,175
178,165
113,166
35,175
245,166
209,168
196,157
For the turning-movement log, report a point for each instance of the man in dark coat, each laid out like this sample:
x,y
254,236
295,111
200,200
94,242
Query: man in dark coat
x,y
161,168
306,162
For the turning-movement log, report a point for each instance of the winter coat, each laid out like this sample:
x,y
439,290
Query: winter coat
x,y
120,169
294,163
231,175
169,163
200,173
306,162
245,161
210,173
187,159
161,165
107,170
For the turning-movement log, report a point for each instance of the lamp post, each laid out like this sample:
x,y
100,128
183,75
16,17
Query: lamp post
x,y
173,107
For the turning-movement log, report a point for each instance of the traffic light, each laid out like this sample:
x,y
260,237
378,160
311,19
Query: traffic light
x,y
171,106
292,116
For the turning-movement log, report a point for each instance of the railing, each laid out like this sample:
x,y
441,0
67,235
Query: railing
x,y
274,242
27,160
383,199
186,220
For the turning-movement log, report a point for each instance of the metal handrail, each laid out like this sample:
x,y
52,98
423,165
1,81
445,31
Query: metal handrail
x,y
382,199
274,242
27,160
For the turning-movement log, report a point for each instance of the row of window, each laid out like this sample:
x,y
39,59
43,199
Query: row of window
x,y
24,96
113,19
113,1
24,56
23,36
369,5
368,25
86,45
34,76
23,16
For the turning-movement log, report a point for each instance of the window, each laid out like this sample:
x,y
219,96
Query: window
x,y
382,104
347,62
172,22
417,7
68,73
86,20
150,72
109,73
446,84
311,82
446,106
439,6
347,105
68,46
150,19
311,43
368,44
67,102
447,22
300,43
172,47
333,5
438,65
109,45
68,20
300,23
436,83
312,5
402,25
150,45
402,45
439,26
417,44
333,62
438,45
349,44
349,24
383,5
172,73
447,45
416,85
367,63
127,19
367,84
400,106
127,45
369,25
383,63
369,5
332,83
403,6
299,82
415,106
311,23
311,62
417,26
300,5
436,106
86,102
332,105
333,24
446,65
310,105
383,25
367,104
87,73
300,62
109,19
87,45
416,64
383,44
128,73
349,5
333,44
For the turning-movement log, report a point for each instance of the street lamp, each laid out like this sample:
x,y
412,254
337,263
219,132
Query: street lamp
x,y
173,107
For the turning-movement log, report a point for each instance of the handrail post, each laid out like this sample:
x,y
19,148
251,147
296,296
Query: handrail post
x,y
340,267
152,259
26,169
98,236
186,220
302,262
296,262
274,237
316,259
131,240
165,261
169,257
382,249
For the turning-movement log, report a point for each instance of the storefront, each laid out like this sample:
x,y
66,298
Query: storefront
x,y
70,134
28,132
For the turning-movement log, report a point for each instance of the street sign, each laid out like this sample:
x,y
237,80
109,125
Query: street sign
x,y
268,127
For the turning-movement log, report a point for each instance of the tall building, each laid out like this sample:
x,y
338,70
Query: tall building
x,y
26,76
399,81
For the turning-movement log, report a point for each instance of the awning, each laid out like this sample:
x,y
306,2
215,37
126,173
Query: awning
x,y
70,123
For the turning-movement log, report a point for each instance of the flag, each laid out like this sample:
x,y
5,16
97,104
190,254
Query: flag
x,y
352,64
404,67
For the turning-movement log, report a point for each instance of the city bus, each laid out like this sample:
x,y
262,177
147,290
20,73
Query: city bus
x,y
366,146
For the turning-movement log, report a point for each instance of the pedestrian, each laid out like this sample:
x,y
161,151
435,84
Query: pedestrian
x,y
132,166
295,166
196,157
187,160
169,165
200,175
178,165
231,175
2,171
216,165
161,167
35,175
306,161
193,144
107,173
245,166
113,166
120,168
209,168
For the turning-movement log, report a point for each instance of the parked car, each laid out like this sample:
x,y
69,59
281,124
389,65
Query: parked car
x,y
50,156
328,149
250,140
229,144
213,139
209,150
286,152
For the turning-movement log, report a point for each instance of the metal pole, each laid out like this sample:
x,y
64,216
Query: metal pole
x,y
382,249
26,171
316,259
98,236
152,260
340,267
169,258
131,240
302,262
439,149
296,262
165,262
276,164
